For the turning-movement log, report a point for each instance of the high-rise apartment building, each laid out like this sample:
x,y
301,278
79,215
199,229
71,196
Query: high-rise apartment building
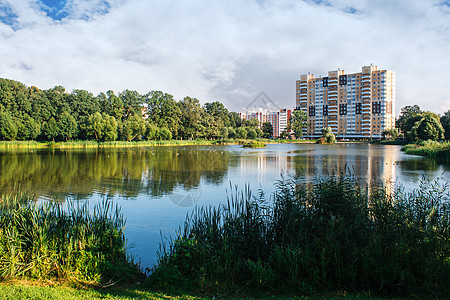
x,y
358,105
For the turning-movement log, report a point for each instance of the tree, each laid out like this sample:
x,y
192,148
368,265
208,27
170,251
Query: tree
x,y
267,129
231,133
95,126
163,111
50,129
392,132
259,133
164,134
224,133
68,127
328,136
297,122
8,129
445,121
30,129
428,128
251,133
219,112
192,115
132,104
408,117
133,128
110,126
151,131
235,119
241,133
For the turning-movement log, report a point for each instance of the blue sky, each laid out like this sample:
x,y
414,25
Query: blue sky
x,y
226,50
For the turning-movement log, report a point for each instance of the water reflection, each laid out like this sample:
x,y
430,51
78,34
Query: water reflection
x,y
176,178
124,172
159,171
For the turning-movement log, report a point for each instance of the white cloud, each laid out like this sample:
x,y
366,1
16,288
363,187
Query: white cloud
x,y
228,50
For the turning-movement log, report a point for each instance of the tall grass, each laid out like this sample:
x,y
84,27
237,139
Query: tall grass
x,y
326,235
46,241
432,149
20,144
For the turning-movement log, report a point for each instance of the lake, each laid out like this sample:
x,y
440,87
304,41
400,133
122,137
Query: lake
x,y
157,186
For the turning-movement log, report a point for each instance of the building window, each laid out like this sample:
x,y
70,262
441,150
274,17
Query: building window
x,y
358,108
312,111
342,109
325,110
376,107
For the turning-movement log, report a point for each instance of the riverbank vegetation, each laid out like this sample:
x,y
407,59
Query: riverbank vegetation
x,y
327,235
46,241
432,149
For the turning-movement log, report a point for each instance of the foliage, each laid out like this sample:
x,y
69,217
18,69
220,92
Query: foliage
x,y
241,133
50,129
445,121
298,121
133,127
8,129
427,128
45,241
408,116
329,234
430,149
392,133
164,134
67,126
254,144
251,133
328,137
267,129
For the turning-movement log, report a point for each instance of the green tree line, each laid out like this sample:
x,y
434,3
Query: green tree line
x,y
29,113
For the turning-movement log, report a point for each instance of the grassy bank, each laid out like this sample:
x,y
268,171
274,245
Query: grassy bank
x,y
328,235
30,290
432,149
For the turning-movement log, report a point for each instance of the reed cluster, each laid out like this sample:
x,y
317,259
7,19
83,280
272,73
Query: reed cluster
x,y
325,235
432,149
47,241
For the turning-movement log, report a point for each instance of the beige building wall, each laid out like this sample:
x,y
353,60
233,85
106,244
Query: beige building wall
x,y
358,105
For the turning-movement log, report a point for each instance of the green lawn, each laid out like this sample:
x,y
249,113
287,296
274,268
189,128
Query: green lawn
x,y
27,290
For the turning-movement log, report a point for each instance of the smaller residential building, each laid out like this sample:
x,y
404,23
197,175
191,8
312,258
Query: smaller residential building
x,y
279,119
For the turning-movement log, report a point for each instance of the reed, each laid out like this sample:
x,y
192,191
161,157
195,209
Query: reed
x,y
432,149
325,235
47,241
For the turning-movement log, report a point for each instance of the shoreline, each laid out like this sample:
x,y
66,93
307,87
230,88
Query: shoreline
x,y
125,144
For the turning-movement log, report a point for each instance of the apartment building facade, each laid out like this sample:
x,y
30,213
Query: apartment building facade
x,y
279,119
355,106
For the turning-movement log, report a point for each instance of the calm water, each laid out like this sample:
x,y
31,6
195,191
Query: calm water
x,y
158,186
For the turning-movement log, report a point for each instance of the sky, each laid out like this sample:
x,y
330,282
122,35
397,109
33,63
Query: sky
x,y
226,50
